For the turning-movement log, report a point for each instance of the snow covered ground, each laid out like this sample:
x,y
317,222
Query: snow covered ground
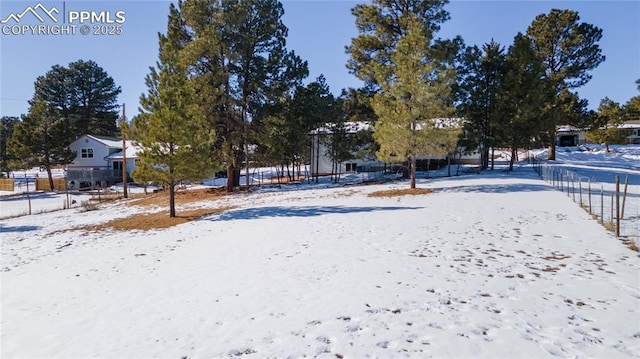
x,y
592,166
494,265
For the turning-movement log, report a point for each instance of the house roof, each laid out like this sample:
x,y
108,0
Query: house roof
x,y
132,152
630,124
349,127
113,142
353,127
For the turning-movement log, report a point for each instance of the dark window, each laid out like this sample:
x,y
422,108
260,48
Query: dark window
x,y
86,152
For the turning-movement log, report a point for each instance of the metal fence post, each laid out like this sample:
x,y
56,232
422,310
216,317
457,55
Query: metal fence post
x,y
618,206
590,211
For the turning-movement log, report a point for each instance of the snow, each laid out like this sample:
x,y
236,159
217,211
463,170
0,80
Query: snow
x,y
496,265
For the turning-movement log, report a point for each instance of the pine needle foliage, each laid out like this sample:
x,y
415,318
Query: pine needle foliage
x,y
174,137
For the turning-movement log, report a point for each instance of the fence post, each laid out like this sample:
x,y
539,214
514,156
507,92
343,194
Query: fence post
x,y
602,203
580,187
590,211
561,182
624,197
618,206
611,214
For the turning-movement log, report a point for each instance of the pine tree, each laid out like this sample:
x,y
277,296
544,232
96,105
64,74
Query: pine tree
x,y
174,137
395,52
42,139
523,91
84,95
238,54
569,50
480,88
605,128
6,129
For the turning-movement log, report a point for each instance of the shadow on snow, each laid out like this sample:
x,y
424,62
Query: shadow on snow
x,y
497,188
306,211
5,229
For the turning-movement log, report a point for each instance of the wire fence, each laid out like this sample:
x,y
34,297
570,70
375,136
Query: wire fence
x,y
612,202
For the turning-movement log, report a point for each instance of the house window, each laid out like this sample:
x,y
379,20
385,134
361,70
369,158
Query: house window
x,y
350,167
86,152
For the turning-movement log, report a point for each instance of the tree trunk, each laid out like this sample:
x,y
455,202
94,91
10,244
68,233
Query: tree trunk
x,y
51,176
413,171
230,174
172,199
514,154
493,155
552,147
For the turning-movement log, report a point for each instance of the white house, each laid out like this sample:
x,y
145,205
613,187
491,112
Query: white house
x,y
570,136
321,163
634,126
99,161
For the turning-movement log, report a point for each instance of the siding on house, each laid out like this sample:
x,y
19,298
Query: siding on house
x,y
99,160
634,126
321,163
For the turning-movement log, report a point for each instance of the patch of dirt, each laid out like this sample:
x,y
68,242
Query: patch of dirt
x,y
400,192
151,221
556,257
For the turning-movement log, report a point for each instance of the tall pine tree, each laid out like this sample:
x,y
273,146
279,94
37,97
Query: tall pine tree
x,y
569,50
523,91
480,88
84,95
396,53
175,138
42,139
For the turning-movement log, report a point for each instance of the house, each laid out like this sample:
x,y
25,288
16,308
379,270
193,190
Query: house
x,y
634,127
99,161
570,136
322,164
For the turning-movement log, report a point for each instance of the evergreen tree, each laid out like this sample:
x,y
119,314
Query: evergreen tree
x,y
356,107
524,89
174,136
282,131
6,129
239,56
632,107
481,87
569,50
84,95
605,128
395,52
42,139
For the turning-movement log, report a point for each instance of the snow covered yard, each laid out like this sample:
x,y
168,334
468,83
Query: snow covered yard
x,y
483,267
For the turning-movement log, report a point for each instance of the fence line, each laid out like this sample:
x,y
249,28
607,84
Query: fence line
x,y
606,206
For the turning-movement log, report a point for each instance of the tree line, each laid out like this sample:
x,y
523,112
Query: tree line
x,y
226,93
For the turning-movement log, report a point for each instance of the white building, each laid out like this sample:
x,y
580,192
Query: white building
x,y
322,164
99,161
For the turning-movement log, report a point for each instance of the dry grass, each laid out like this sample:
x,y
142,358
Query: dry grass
x,y
556,257
181,197
151,221
631,244
400,192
